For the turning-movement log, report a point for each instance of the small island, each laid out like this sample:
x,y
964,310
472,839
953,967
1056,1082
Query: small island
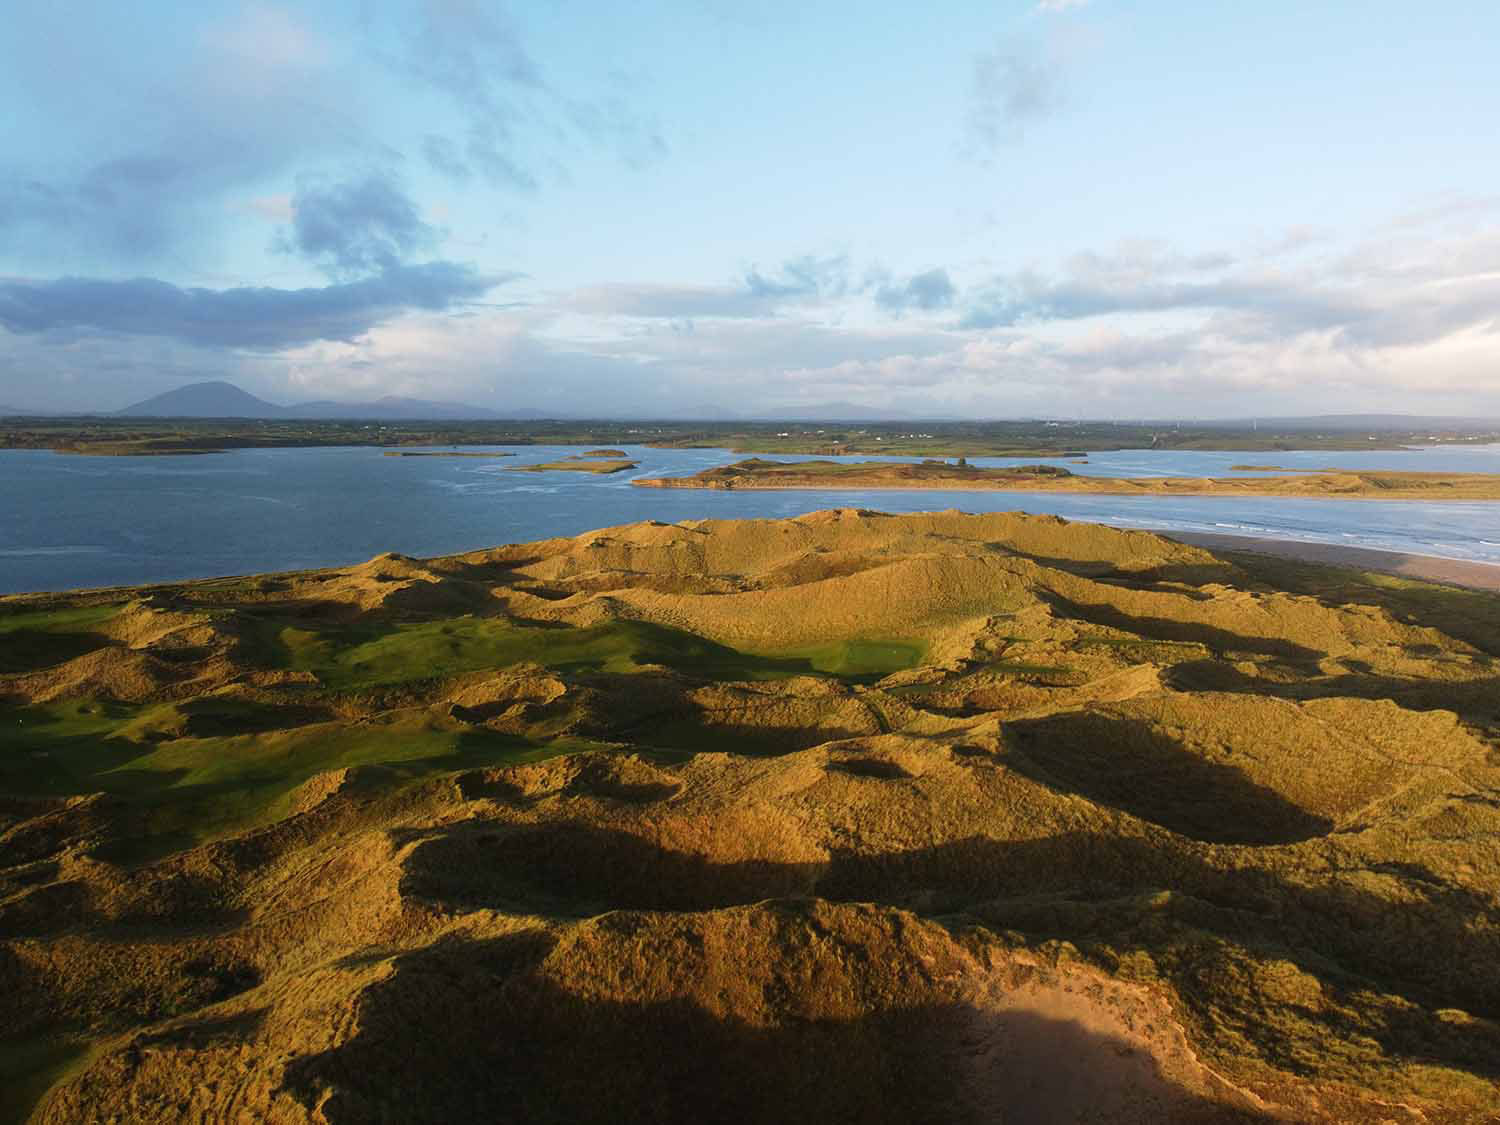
x,y
757,473
579,464
141,447
441,453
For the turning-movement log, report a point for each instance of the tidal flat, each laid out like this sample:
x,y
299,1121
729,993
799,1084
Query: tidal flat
x,y
1158,833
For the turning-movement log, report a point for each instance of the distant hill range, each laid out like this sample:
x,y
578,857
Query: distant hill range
x,y
219,399
224,400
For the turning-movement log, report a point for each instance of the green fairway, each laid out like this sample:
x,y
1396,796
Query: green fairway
x,y
200,768
192,789
363,656
29,641
858,660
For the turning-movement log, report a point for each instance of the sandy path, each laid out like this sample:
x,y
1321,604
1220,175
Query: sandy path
x,y
1454,572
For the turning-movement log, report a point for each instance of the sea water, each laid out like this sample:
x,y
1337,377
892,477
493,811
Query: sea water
x,y
68,521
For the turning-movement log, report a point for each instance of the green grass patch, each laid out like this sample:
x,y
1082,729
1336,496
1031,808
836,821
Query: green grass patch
x,y
56,620
857,660
359,657
30,641
191,790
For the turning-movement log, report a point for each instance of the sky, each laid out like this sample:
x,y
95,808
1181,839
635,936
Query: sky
x,y
1064,208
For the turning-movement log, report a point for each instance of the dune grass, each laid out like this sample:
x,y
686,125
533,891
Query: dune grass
x,y
193,789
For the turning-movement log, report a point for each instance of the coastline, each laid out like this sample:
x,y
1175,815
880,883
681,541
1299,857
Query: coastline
x,y
1211,494
1460,487
1423,568
984,486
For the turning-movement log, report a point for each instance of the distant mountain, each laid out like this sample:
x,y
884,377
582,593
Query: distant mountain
x,y
218,399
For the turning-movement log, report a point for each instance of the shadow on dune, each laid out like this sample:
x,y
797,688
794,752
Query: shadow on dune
x,y
1432,943
30,650
578,868
1476,701
1170,575
1128,765
1466,615
480,1032
1165,629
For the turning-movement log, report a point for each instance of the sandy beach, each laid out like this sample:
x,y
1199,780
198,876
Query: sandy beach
x,y
1454,572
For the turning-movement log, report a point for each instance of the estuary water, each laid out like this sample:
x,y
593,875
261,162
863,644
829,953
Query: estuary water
x,y
69,521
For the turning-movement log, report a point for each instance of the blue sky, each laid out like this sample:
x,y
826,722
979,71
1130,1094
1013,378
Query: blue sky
x,y
1094,208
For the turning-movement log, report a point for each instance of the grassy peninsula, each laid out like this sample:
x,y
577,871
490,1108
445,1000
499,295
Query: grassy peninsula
x,y
757,473
1168,835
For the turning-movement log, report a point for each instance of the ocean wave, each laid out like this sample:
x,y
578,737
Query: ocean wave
x,y
31,552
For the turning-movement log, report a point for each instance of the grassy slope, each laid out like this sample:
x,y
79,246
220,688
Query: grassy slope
x,y
205,768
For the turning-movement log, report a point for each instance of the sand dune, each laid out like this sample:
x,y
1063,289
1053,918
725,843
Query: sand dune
x,y
852,816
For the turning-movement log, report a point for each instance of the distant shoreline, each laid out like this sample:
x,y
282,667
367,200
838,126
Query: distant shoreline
x,y
1422,568
757,474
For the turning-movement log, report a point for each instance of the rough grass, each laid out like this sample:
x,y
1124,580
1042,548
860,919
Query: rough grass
x,y
1470,615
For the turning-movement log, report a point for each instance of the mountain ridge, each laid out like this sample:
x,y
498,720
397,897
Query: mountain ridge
x,y
220,399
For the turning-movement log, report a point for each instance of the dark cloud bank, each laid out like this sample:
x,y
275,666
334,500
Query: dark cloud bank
x,y
360,231
246,317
